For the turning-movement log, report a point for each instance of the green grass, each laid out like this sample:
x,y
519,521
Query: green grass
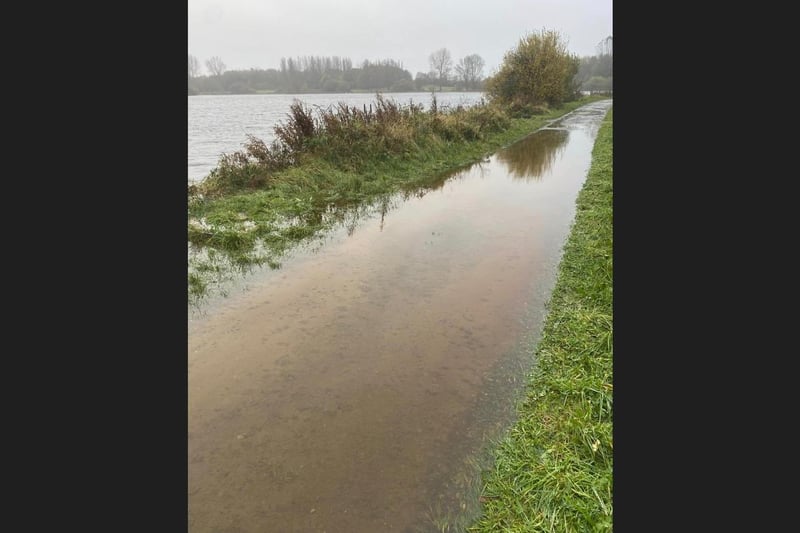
x,y
553,470
260,203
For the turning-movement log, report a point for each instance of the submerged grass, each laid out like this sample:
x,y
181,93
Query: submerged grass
x,y
553,470
260,202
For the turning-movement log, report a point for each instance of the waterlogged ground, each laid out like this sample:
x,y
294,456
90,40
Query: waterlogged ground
x,y
356,388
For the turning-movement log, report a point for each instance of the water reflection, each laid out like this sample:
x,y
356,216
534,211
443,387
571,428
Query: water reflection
x,y
533,158
215,271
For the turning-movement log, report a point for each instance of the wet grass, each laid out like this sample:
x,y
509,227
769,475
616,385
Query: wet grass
x,y
552,471
261,202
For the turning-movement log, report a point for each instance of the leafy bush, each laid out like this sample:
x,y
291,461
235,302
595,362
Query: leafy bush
x,y
538,71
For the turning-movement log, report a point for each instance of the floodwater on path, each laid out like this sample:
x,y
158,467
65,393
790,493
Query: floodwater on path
x,y
347,391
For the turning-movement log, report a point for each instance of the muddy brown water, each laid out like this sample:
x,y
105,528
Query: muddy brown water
x,y
347,391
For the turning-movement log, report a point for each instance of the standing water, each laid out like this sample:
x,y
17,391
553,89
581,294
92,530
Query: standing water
x,y
351,390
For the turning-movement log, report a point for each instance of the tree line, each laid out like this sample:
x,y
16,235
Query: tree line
x,y
315,74
320,74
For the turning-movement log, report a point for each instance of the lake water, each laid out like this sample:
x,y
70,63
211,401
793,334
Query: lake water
x,y
353,389
219,124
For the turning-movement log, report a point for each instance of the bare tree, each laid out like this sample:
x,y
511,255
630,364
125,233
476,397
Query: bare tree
x,y
194,67
215,66
441,63
606,46
470,69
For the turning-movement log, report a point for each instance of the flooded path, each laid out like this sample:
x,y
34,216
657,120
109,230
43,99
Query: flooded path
x,y
345,391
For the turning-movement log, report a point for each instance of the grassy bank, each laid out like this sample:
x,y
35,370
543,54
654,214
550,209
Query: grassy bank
x,y
553,470
260,202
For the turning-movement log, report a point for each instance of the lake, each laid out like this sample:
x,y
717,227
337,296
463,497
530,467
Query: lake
x,y
219,124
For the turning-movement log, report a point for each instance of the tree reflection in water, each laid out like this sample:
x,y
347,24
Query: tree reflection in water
x,y
531,158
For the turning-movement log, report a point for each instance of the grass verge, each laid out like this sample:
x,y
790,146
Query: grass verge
x,y
553,470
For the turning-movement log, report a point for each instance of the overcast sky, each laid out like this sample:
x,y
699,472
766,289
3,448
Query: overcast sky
x,y
258,33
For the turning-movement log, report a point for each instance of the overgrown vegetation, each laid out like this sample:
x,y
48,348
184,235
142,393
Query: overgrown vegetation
x,y
553,471
260,201
350,139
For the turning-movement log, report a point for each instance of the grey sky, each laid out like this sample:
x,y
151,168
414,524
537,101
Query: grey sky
x,y
258,33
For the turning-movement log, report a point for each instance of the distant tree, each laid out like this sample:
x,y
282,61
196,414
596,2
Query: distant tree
x,y
585,69
470,70
381,74
402,86
423,80
194,67
596,73
603,66
597,84
538,71
264,80
606,46
238,81
334,84
605,59
441,62
215,66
